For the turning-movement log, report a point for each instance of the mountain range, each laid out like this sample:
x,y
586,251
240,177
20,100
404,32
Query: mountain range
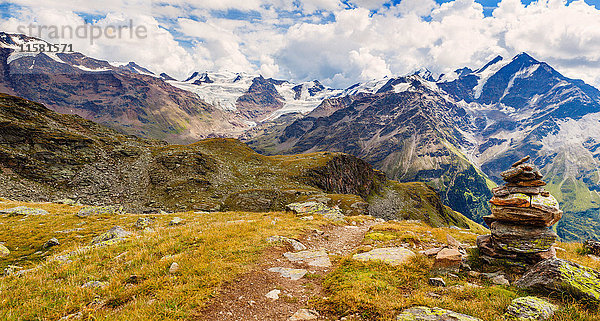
x,y
454,131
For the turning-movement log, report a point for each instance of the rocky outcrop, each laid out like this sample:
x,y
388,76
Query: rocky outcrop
x,y
556,275
345,174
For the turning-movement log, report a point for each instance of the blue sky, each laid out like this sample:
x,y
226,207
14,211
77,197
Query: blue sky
x,y
339,42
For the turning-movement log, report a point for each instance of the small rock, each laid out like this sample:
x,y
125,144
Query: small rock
x,y
175,221
23,210
94,284
174,268
143,222
304,314
529,308
51,242
432,252
296,245
114,233
100,210
422,313
452,242
448,258
4,251
307,218
273,294
317,258
434,295
293,274
500,280
474,274
390,255
66,201
437,282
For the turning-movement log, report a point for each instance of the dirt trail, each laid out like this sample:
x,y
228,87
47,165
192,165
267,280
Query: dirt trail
x,y
244,298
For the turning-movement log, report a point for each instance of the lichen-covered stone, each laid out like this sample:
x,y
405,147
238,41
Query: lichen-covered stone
x,y
422,313
114,233
516,200
525,215
4,251
176,221
100,210
563,277
143,222
313,208
545,203
522,238
592,247
23,210
529,308
390,255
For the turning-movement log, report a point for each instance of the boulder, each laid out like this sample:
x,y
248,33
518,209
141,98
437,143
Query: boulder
x,y
4,251
317,258
522,238
23,210
114,233
448,258
422,313
313,208
560,276
525,215
529,308
390,255
100,211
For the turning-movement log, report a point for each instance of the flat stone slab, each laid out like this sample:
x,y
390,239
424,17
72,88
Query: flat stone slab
x,y
317,258
563,277
296,245
23,210
421,313
529,308
390,255
294,274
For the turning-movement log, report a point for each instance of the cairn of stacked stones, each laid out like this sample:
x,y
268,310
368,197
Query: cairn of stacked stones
x,y
522,212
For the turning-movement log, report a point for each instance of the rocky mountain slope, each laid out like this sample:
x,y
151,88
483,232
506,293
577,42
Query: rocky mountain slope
x,y
126,97
450,129
47,156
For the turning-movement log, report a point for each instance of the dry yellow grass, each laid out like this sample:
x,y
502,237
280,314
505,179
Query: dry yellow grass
x,y
210,249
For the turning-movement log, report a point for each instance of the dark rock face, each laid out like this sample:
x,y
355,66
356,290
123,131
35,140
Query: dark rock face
x,y
522,238
261,99
127,98
560,276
